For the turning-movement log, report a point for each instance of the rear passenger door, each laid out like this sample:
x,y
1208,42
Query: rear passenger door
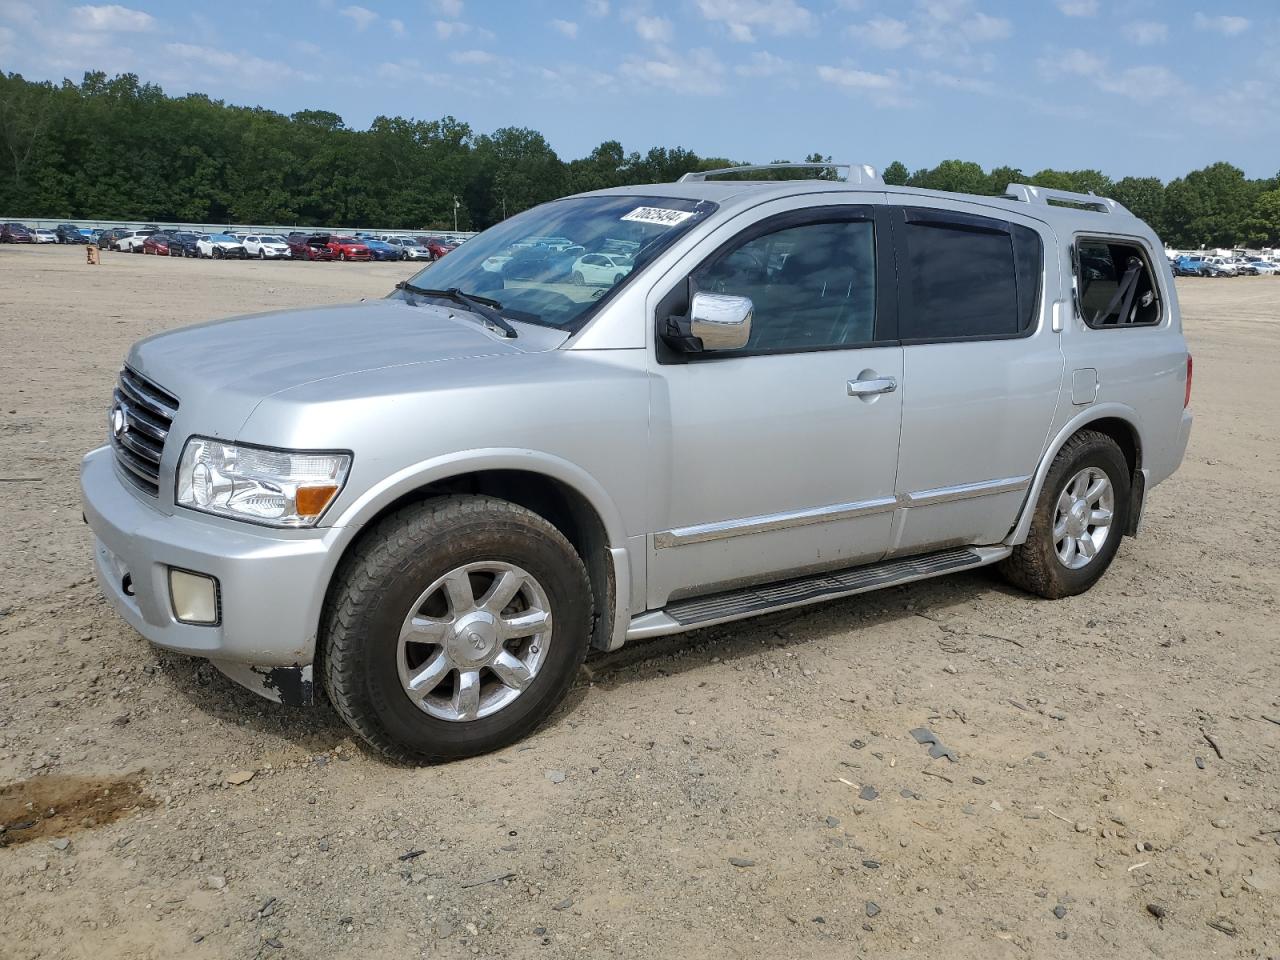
x,y
982,368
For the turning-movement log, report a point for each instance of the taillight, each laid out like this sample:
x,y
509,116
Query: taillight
x,y
1186,400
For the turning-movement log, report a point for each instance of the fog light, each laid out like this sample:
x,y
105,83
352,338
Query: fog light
x,y
195,597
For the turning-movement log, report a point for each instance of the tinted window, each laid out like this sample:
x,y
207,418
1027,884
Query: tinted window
x,y
813,285
967,276
1114,285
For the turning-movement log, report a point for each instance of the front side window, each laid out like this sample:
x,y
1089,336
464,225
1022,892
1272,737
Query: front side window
x,y
813,285
967,277
1114,285
529,263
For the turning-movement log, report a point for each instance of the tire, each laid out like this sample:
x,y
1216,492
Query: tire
x,y
342,256
577,279
381,583
1037,565
617,278
262,254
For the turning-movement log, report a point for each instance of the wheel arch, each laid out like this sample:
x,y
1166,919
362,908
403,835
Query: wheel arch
x,y
1119,422
560,492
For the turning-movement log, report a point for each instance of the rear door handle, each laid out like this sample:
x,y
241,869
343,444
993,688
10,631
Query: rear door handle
x,y
873,387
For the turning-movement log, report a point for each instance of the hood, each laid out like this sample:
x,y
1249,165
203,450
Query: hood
x,y
220,371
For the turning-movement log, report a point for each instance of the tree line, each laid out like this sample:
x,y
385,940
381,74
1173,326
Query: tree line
x,y
116,148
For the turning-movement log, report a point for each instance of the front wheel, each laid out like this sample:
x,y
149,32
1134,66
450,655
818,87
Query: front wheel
x,y
1081,514
455,628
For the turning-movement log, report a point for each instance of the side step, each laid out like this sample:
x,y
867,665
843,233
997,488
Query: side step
x,y
750,601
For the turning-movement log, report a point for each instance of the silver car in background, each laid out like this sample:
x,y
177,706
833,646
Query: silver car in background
x,y
434,504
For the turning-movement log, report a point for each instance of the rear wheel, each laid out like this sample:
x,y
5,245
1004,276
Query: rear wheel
x,y
1078,521
577,278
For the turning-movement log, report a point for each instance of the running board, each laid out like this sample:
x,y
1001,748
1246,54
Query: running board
x,y
767,598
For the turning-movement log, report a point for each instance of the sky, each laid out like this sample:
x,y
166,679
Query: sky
x,y
1131,87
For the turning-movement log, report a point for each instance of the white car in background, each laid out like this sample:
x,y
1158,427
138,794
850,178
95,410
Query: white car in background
x,y
601,269
132,241
410,249
219,246
266,246
44,236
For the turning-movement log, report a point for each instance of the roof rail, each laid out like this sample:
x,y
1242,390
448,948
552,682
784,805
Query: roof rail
x,y
858,173
1063,198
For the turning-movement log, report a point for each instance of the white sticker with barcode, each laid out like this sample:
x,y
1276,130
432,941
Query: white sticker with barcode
x,y
659,215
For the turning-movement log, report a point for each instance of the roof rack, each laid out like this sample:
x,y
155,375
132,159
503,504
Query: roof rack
x,y
1063,198
858,173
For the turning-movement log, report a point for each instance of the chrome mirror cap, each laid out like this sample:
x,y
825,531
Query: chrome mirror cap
x,y
720,321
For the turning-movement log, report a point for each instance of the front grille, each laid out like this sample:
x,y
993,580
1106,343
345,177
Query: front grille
x,y
141,414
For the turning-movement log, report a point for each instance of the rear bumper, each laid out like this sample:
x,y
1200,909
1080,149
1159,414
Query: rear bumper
x,y
270,583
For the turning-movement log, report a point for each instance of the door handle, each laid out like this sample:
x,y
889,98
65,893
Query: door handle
x,y
872,387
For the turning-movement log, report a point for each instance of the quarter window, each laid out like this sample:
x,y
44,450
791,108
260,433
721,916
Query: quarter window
x,y
1114,285
812,286
967,277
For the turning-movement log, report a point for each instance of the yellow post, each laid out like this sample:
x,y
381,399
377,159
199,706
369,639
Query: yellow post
x,y
91,251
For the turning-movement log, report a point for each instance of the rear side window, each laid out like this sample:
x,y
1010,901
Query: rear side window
x,y
1114,285
966,277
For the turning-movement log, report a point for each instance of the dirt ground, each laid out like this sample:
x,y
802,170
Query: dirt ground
x,y
697,796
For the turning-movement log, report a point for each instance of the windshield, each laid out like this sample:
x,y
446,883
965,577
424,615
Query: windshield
x,y
271,239
222,237
530,263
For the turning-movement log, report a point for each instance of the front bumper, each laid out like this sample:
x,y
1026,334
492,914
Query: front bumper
x,y
271,582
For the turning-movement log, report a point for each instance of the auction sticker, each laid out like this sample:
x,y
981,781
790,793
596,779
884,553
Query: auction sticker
x,y
659,215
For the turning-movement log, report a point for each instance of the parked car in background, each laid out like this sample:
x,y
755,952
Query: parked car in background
x,y
437,246
16,233
266,246
1264,268
381,249
1187,266
1218,267
43,235
309,246
409,249
106,239
159,244
348,248
69,233
542,264
600,269
132,241
182,243
220,246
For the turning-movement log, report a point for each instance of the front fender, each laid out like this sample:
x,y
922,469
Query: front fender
x,y
1118,411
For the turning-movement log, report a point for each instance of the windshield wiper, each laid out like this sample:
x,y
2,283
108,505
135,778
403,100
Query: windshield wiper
x,y
481,306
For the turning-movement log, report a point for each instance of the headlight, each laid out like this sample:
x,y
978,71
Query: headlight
x,y
280,488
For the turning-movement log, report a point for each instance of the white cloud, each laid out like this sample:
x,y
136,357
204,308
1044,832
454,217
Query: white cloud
x,y
1228,26
19,11
447,29
695,72
1145,83
855,79
981,28
452,9
252,70
1079,8
360,16
743,17
397,26
566,27
112,17
1146,33
763,64
473,56
654,29
884,33
597,8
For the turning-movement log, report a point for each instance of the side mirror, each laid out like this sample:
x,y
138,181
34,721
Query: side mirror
x,y
720,321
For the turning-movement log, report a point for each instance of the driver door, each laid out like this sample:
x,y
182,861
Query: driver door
x,y
780,458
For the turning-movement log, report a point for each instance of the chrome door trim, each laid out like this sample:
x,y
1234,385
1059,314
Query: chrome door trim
x,y
964,491
724,529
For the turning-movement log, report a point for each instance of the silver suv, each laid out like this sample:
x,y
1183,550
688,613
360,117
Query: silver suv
x,y
435,503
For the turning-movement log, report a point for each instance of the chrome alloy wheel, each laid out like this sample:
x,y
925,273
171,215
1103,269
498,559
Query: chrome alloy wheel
x,y
1082,518
474,640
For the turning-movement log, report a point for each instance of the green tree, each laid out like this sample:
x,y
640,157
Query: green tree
x,y
1262,227
896,174
1209,206
957,176
1144,196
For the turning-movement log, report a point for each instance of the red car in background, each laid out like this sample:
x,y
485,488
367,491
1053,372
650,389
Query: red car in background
x,y
437,246
158,244
309,246
348,248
